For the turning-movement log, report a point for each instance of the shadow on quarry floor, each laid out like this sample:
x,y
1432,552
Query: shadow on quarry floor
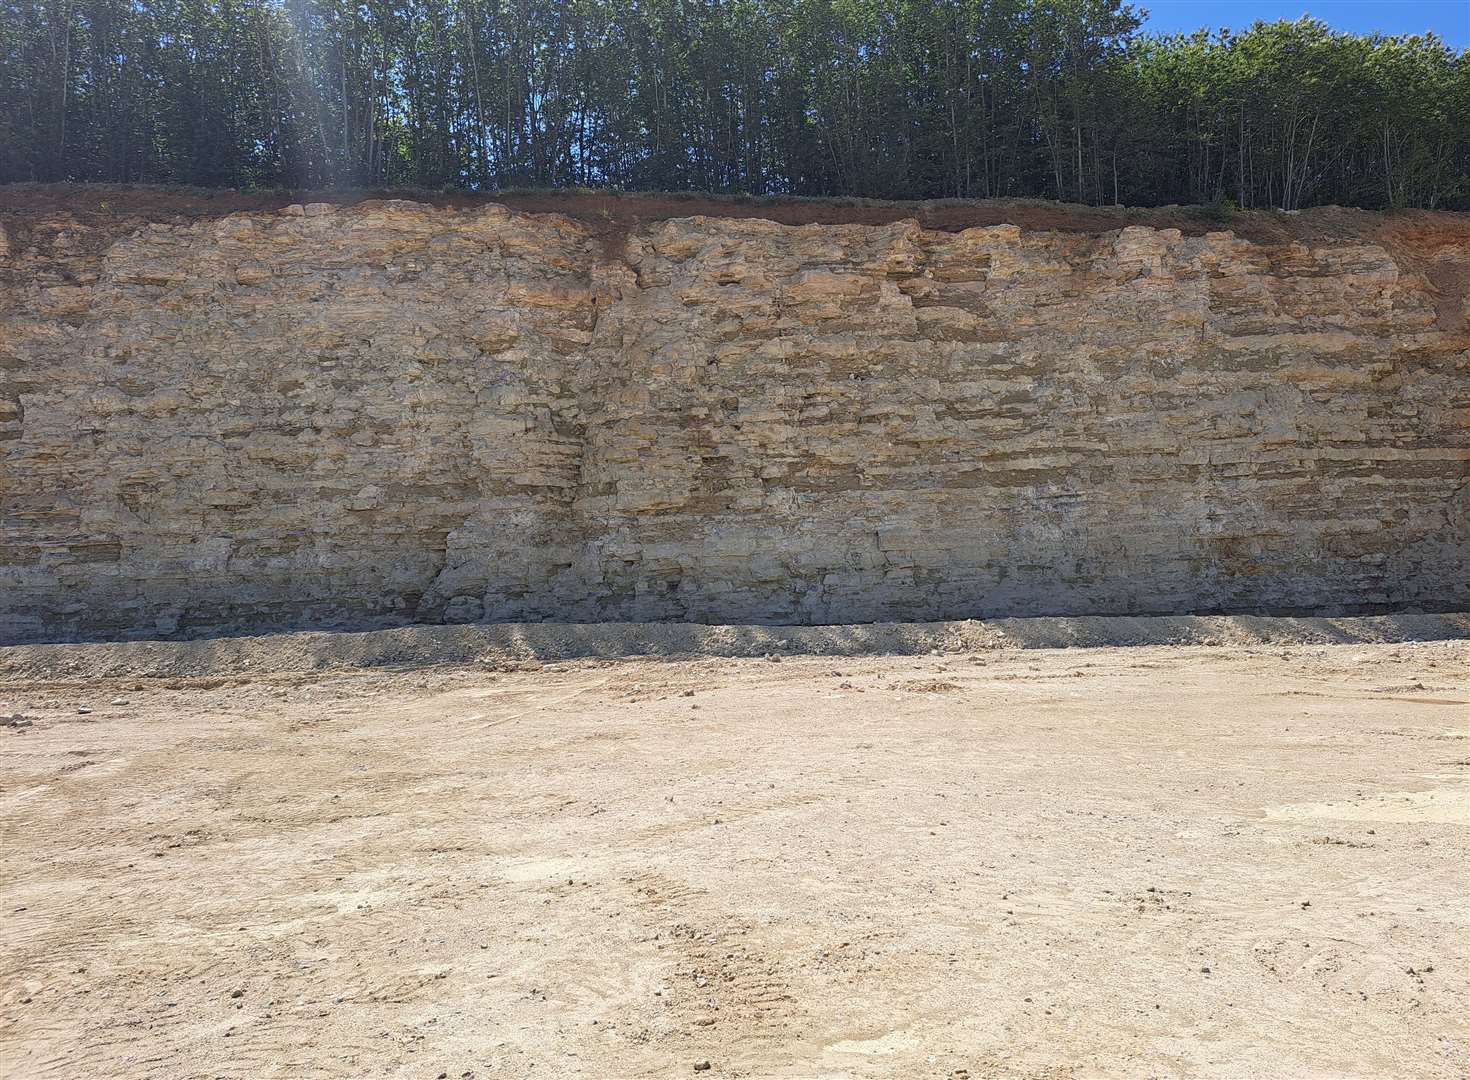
x,y
490,643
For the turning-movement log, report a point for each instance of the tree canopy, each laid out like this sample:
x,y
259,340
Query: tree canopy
x,y
1058,99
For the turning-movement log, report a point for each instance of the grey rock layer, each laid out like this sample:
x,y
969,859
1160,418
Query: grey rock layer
x,y
395,412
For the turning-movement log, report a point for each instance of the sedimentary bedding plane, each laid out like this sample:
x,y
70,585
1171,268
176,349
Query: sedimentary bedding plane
x,y
395,412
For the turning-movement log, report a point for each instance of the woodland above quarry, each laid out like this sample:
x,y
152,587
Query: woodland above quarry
x,y
1060,99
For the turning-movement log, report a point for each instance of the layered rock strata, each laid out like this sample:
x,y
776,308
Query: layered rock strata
x,y
394,412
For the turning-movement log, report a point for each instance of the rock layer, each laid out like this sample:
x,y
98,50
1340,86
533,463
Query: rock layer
x,y
394,412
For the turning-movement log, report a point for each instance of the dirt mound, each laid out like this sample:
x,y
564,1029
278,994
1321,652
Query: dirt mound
x,y
930,686
515,643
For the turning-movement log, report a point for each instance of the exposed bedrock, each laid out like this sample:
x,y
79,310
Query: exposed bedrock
x,y
395,412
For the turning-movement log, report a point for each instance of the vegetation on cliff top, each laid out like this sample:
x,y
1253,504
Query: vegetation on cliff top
x,y
882,98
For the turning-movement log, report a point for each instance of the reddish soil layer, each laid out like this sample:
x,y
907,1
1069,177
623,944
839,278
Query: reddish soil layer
x,y
618,212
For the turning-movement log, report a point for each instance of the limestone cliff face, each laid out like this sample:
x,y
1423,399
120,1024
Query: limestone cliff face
x,y
328,415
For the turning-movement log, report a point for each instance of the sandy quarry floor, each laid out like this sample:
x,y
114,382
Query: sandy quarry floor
x,y
1231,861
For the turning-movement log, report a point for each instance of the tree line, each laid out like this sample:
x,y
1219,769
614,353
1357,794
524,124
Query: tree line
x,y
1062,99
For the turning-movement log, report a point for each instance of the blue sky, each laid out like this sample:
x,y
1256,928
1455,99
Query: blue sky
x,y
1450,19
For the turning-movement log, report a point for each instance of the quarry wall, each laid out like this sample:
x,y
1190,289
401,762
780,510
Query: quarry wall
x,y
349,415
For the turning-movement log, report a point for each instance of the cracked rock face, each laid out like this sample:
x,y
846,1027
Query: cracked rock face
x,y
393,412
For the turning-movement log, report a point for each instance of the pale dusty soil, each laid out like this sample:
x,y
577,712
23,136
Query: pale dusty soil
x,y
1237,860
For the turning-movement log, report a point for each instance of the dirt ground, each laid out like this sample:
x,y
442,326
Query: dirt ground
x,y
1245,859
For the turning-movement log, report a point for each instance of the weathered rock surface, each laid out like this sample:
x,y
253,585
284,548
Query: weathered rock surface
x,y
394,412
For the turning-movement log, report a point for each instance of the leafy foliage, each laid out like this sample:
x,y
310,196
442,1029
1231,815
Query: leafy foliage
x,y
883,98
